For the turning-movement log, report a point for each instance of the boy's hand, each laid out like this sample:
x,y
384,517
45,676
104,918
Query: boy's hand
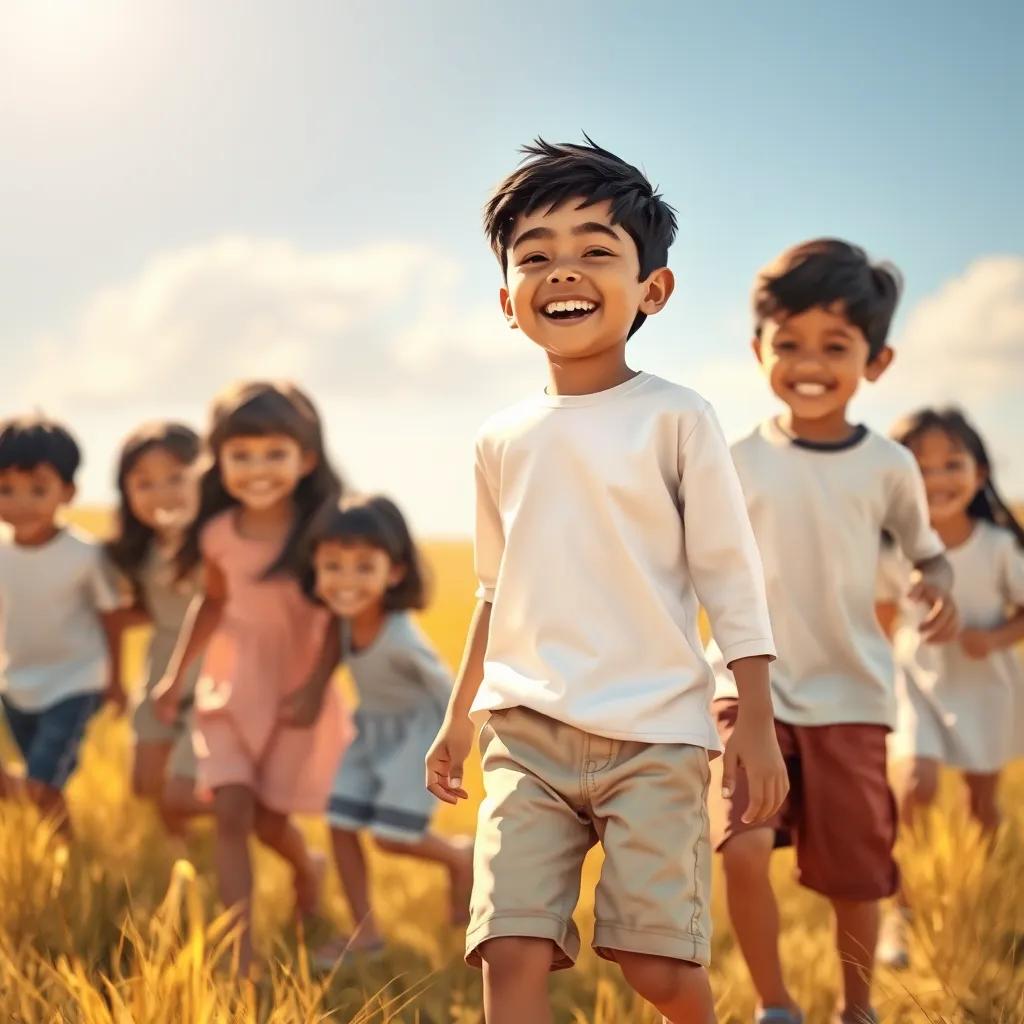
x,y
446,758
941,623
166,698
754,748
977,643
301,708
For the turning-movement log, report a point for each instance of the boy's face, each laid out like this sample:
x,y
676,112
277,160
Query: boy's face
x,y
572,284
29,500
814,360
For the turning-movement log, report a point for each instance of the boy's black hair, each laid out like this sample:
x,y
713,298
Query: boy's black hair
x,y
378,522
825,271
988,503
554,173
30,441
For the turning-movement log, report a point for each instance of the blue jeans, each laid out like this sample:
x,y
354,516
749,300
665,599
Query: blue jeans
x,y
49,739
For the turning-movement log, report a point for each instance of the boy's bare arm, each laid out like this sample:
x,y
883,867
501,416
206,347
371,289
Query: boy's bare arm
x,y
753,744
447,755
931,586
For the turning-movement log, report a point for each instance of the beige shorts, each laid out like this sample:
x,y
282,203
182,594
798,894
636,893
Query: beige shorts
x,y
552,792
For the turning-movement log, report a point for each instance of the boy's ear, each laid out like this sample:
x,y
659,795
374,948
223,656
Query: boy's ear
x,y
659,287
309,462
506,308
68,496
879,364
755,345
396,575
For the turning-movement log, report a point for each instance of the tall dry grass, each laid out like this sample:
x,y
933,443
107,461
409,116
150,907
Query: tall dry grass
x,y
109,931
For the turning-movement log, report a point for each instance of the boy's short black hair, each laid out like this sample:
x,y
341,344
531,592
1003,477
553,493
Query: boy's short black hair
x,y
554,173
825,271
30,441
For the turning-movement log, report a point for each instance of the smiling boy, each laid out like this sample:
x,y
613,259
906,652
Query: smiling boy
x,y
58,628
821,490
607,505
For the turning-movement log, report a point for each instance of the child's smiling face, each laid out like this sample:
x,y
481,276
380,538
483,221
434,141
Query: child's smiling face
x,y
815,360
162,491
952,476
573,282
30,499
352,578
261,471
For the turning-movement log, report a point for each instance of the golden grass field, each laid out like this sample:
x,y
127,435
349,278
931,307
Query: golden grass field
x,y
108,931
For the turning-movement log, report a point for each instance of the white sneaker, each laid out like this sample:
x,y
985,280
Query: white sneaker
x,y
894,940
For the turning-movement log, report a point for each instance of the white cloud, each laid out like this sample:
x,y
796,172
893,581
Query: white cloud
x,y
385,320
966,341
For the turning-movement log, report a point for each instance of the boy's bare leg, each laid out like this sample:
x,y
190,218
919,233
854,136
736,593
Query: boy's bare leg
x,y
680,990
754,912
857,923
516,971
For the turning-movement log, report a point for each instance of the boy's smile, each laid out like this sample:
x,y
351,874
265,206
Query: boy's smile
x,y
573,283
814,362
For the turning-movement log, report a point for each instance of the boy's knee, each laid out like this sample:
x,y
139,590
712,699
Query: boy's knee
x,y
748,855
515,957
661,980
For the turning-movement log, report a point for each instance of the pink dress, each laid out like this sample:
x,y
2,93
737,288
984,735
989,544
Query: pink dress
x,y
266,646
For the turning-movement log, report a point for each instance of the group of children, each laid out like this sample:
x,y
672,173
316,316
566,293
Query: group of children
x,y
258,577
609,510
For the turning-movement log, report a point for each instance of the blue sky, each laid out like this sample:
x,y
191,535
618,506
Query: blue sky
x,y
196,192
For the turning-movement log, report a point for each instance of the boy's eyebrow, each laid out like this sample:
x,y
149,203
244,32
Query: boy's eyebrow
x,y
589,228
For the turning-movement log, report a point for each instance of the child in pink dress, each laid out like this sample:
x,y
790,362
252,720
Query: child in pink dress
x,y
269,728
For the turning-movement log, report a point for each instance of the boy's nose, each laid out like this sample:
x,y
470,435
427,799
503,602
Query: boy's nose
x,y
563,275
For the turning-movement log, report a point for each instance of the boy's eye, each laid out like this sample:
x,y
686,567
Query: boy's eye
x,y
784,346
836,348
39,491
598,252
534,257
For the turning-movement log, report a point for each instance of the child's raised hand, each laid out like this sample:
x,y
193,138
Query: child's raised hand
x,y
941,623
446,758
754,747
165,699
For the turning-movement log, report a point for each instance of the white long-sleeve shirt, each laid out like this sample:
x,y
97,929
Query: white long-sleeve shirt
x,y
603,521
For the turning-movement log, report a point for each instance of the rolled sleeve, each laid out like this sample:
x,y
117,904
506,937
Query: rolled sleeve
x,y
721,551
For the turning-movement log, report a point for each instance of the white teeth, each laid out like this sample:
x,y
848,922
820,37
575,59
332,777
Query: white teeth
x,y
571,306
809,388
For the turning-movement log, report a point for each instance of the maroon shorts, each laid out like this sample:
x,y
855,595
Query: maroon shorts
x,y
840,813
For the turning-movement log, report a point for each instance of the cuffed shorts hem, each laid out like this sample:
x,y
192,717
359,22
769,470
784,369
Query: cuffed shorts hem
x,y
536,925
609,938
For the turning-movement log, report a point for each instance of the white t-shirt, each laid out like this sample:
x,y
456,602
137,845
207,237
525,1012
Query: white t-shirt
x,y
601,520
959,709
818,513
52,643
